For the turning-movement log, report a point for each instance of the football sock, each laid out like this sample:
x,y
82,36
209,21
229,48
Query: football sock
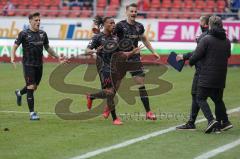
x,y
23,91
113,113
30,100
144,98
100,95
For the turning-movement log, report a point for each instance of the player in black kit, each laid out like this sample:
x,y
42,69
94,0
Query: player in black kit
x,y
105,45
130,32
33,40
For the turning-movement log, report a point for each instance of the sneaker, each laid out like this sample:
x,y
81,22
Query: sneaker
x,y
34,116
212,125
106,112
19,97
151,116
117,122
89,102
187,126
217,130
226,126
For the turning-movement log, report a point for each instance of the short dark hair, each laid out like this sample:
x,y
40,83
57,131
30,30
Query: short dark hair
x,y
215,22
131,5
35,14
205,18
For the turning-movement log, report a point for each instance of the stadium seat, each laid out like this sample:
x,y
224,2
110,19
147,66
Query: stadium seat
x,y
114,3
153,13
43,10
86,13
174,13
112,11
221,4
101,3
155,4
186,13
210,4
208,10
21,10
177,4
166,4
54,11
101,11
75,12
188,4
200,4
163,13
64,11
197,13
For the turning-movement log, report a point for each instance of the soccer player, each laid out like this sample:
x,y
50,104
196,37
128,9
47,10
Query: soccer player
x,y
130,32
105,44
33,40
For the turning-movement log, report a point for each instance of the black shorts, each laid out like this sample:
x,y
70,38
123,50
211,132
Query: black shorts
x,y
32,74
136,67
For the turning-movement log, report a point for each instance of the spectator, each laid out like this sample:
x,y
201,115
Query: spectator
x,y
73,3
235,8
7,8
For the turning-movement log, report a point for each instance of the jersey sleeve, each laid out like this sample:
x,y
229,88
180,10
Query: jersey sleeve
x,y
20,38
118,29
94,43
142,30
45,41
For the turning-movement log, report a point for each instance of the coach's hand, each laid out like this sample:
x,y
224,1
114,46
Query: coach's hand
x,y
179,57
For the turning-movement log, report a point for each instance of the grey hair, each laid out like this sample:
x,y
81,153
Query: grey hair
x,y
215,22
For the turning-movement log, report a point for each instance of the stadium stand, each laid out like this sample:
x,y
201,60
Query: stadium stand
x,y
175,9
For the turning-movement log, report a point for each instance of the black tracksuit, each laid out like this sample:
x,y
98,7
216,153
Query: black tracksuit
x,y
212,53
195,108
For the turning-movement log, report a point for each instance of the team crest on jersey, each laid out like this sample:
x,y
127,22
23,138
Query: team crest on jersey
x,y
137,28
41,35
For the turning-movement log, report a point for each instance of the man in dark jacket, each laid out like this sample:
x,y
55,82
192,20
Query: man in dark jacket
x,y
194,108
212,52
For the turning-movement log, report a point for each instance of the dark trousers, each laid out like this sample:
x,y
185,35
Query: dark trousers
x,y
194,109
216,94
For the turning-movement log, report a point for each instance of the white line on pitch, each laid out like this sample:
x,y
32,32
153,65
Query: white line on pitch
x,y
51,113
135,140
219,150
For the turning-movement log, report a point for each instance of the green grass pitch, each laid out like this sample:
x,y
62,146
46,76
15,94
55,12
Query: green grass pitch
x,y
55,138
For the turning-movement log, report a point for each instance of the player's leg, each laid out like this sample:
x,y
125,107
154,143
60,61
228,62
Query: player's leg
x,y
220,110
138,77
202,95
21,92
32,77
111,106
190,125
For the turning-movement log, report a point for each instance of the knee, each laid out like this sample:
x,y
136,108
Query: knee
x,y
139,80
200,100
109,92
32,87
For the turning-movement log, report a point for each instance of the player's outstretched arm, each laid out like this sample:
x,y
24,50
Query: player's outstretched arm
x,y
13,53
89,51
147,43
52,53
